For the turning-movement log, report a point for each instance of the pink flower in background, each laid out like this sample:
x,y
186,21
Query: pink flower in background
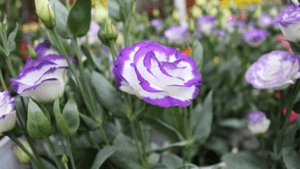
x,y
231,17
242,16
281,39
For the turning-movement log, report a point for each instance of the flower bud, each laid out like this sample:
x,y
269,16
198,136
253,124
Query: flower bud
x,y
258,12
213,11
22,156
109,30
175,15
120,40
196,11
100,13
45,13
32,52
258,123
64,159
201,2
156,13
191,26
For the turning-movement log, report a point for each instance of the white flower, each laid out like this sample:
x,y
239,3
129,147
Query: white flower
x,y
258,122
7,115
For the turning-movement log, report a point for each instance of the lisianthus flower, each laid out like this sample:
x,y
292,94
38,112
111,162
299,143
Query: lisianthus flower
x,y
157,24
7,113
236,25
43,79
289,23
293,116
206,24
265,21
177,35
255,37
275,70
258,122
158,74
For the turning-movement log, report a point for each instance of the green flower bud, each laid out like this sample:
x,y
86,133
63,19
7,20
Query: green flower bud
x,y
32,52
120,40
156,13
22,156
175,15
191,26
64,159
109,30
258,12
100,13
45,13
133,7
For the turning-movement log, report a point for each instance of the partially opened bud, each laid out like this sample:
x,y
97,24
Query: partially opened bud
x,y
258,122
120,40
45,13
191,26
100,13
32,52
109,30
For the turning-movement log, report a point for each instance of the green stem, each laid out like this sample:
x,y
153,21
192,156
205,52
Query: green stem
x,y
81,69
10,67
52,152
73,72
143,143
92,140
35,152
126,35
14,139
263,145
113,50
2,80
104,135
192,47
70,152
137,143
68,4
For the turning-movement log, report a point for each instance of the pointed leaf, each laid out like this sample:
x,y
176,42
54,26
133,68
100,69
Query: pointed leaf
x,y
60,122
102,155
113,9
92,57
202,120
107,95
11,39
61,16
290,158
164,148
79,18
91,124
71,115
38,125
244,160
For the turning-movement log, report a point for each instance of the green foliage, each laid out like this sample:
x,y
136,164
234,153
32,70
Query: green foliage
x,y
244,160
102,155
61,16
290,158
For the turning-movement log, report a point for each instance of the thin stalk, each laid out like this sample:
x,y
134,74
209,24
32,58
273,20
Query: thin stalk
x,y
81,69
92,140
14,139
126,35
10,67
31,144
70,152
52,152
113,50
192,47
137,143
104,135
68,4
73,72
143,143
2,80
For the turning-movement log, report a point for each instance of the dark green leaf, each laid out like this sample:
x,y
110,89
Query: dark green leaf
x,y
71,115
92,57
90,123
79,18
60,122
295,47
202,120
198,55
11,39
233,123
125,9
172,161
244,160
290,158
289,135
113,9
164,148
107,95
61,16
102,155
38,125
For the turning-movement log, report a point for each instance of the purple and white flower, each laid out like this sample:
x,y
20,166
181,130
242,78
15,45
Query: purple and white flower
x,y
258,122
158,74
255,37
7,113
265,21
207,24
236,25
157,24
43,79
177,35
92,34
289,23
275,70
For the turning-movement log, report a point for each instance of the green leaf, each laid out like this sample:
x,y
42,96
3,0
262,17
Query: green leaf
x,y
71,115
289,135
61,16
91,124
67,122
164,148
102,155
11,39
199,55
91,57
107,95
38,124
113,10
172,161
79,18
125,9
244,160
202,120
295,47
233,123
290,158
